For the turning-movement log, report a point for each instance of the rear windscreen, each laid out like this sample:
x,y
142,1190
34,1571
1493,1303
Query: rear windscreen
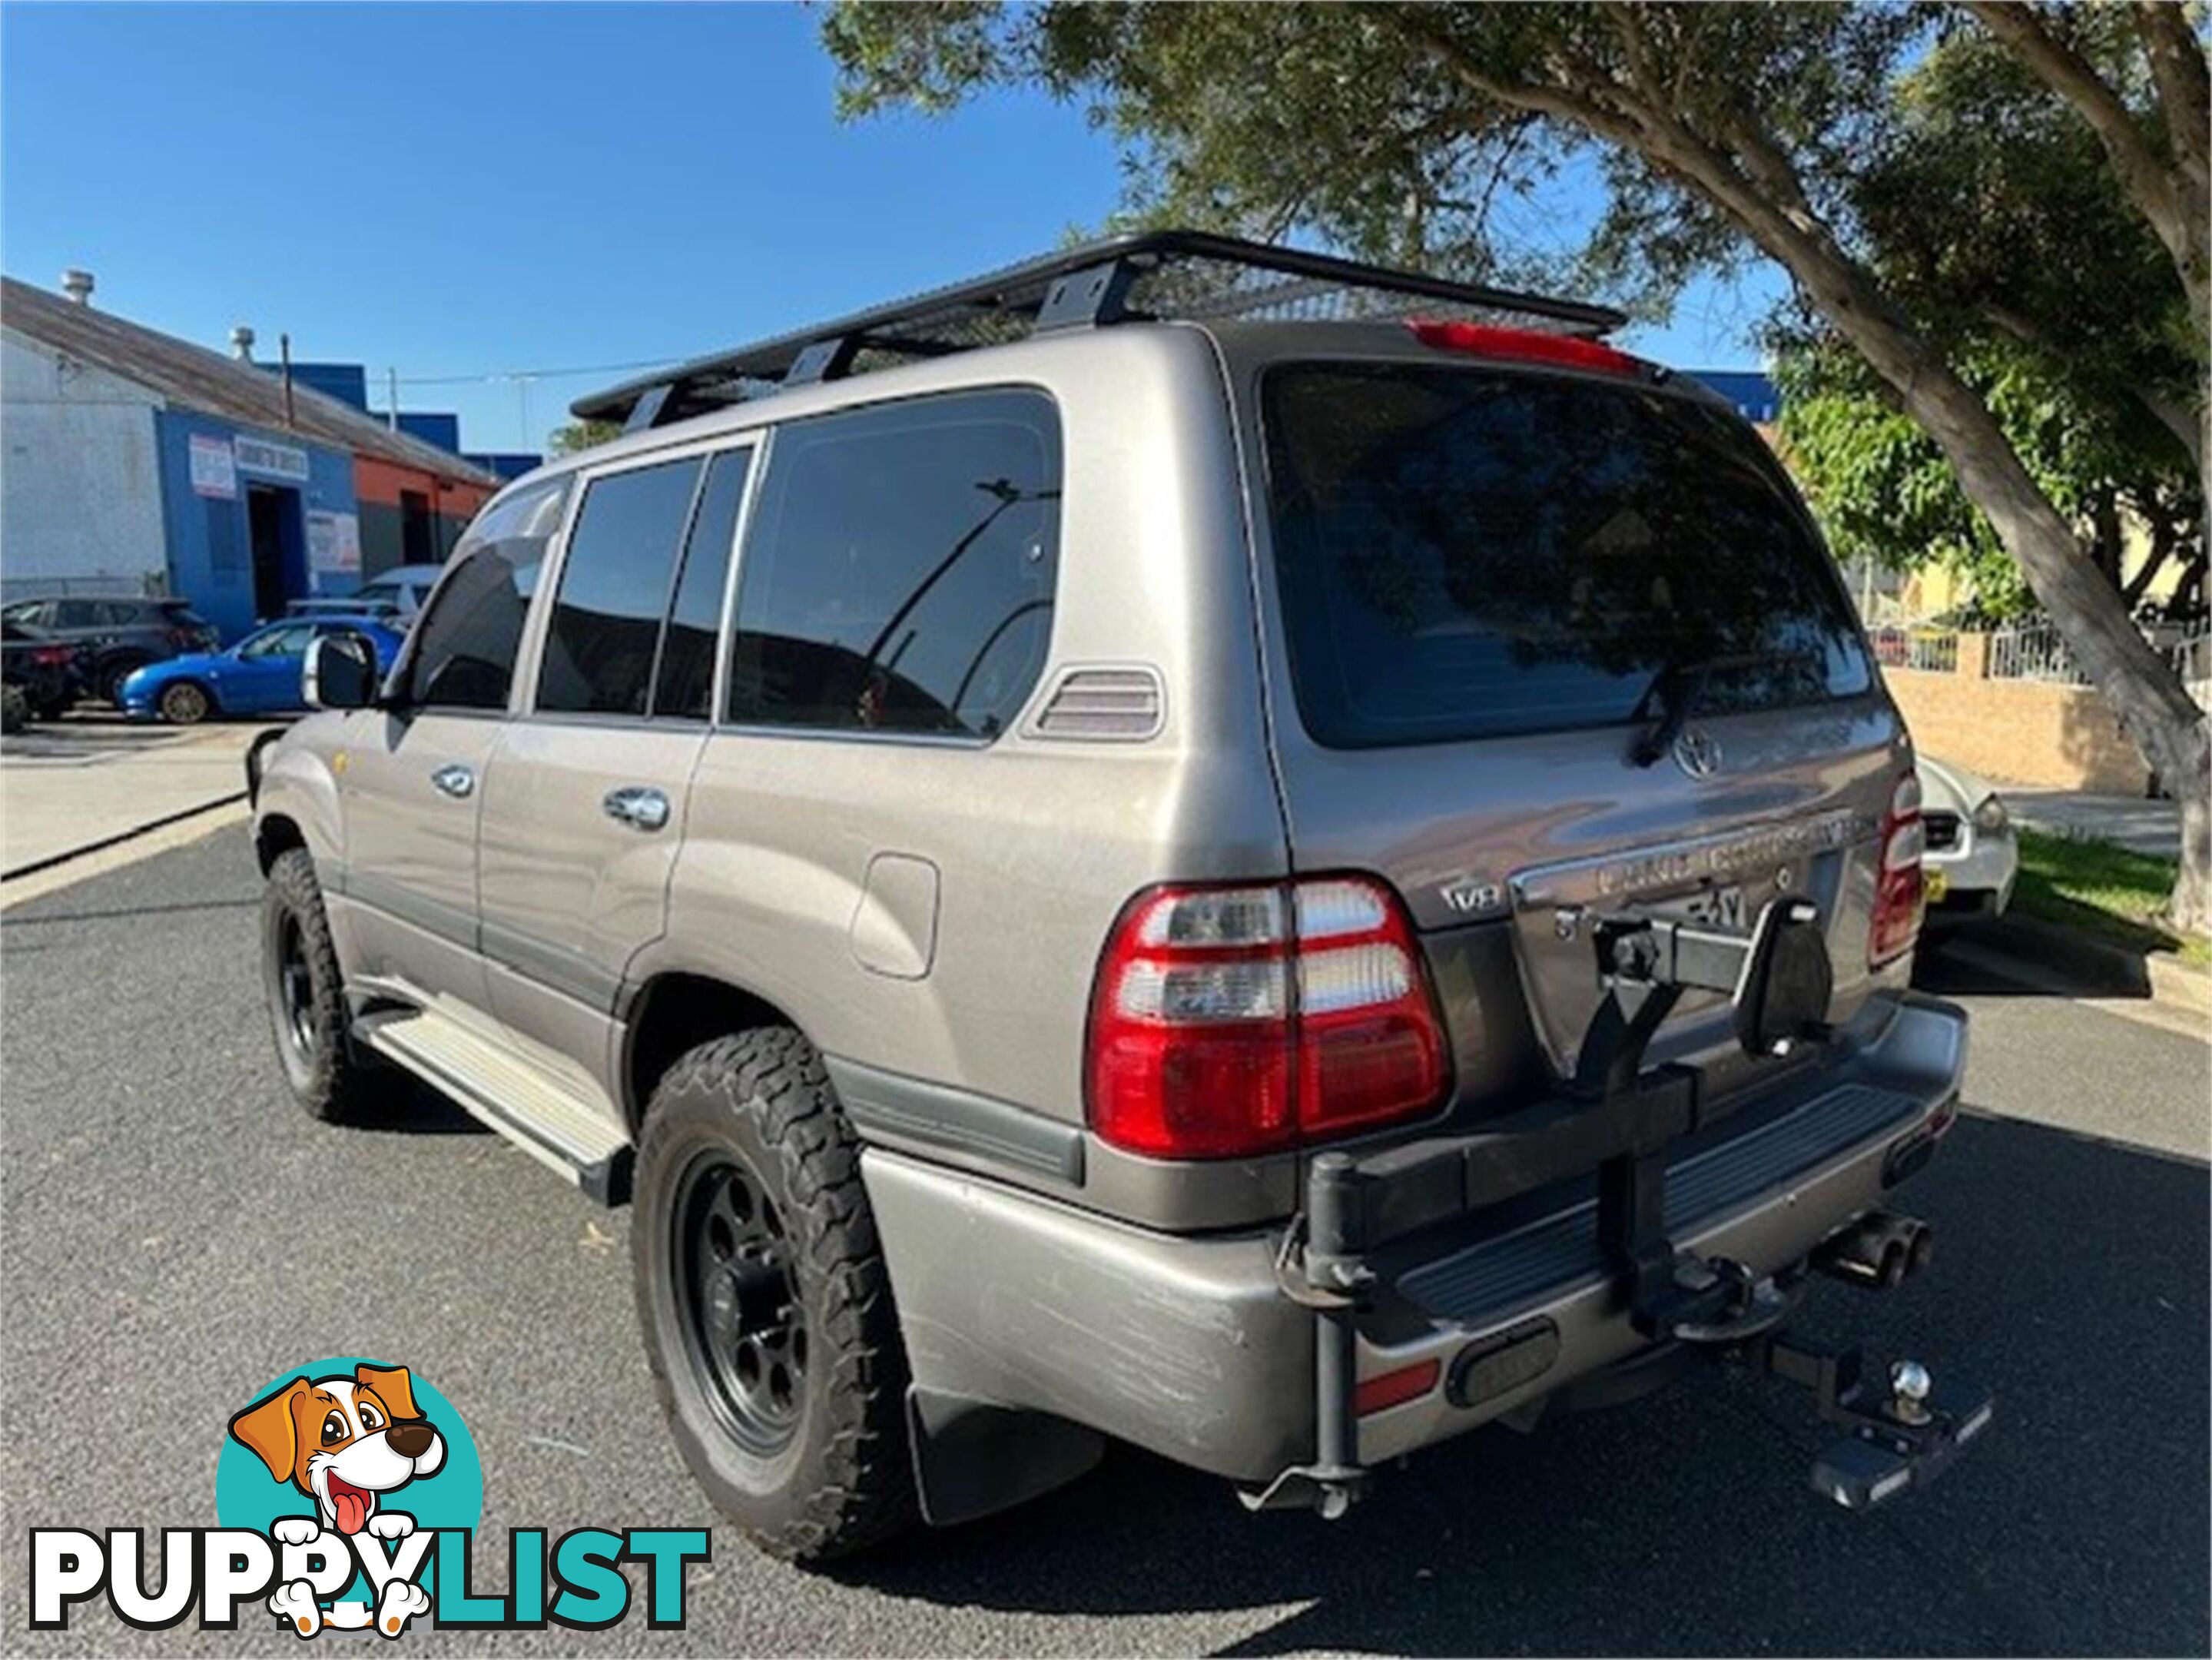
x,y
1465,553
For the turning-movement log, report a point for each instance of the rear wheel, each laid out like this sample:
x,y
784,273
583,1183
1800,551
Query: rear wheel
x,y
185,703
329,1076
15,709
765,1304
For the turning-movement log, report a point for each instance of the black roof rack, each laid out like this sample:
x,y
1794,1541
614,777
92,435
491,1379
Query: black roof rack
x,y
1144,276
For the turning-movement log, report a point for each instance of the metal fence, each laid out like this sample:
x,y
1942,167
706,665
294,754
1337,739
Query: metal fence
x,y
2037,652
1934,650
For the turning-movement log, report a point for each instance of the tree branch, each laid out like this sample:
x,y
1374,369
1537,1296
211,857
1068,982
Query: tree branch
x,y
2146,177
2184,87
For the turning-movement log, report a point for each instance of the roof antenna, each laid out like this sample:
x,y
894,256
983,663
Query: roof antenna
x,y
284,349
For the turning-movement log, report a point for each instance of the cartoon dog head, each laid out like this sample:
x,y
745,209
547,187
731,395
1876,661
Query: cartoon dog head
x,y
342,1441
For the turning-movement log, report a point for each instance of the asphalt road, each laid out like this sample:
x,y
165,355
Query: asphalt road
x,y
176,1234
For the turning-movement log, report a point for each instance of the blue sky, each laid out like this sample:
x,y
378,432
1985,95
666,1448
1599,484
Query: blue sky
x,y
460,192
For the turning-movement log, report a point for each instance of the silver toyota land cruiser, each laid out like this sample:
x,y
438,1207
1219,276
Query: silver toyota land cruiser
x,y
1186,842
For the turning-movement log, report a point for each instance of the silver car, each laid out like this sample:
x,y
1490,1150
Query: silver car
x,y
1096,862
1973,852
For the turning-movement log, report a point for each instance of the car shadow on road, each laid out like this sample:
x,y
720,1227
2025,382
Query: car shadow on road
x,y
410,1107
2070,1280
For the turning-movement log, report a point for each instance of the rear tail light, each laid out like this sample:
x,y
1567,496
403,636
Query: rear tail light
x,y
1228,1021
1527,346
53,657
1900,893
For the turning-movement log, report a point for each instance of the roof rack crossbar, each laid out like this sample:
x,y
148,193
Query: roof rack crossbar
x,y
1169,274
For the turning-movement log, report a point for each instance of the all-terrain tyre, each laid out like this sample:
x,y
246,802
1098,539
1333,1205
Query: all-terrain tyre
x,y
765,1301
330,1077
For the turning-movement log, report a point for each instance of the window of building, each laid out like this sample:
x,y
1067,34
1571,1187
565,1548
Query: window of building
x,y
899,573
685,686
464,648
615,581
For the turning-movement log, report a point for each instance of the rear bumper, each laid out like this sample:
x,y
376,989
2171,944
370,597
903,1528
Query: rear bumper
x,y
1192,1347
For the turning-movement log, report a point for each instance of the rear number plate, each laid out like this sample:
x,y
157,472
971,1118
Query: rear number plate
x,y
1717,908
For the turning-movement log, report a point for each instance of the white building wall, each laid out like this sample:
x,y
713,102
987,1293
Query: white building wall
x,y
80,477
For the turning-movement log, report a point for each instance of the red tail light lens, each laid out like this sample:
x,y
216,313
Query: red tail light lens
x,y
1901,892
1527,346
1228,1021
53,657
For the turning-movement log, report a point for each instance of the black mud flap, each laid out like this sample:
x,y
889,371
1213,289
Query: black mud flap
x,y
973,1458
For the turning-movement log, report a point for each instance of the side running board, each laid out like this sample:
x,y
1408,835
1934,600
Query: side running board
x,y
564,1123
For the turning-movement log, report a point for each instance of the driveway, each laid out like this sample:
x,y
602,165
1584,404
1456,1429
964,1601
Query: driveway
x,y
91,777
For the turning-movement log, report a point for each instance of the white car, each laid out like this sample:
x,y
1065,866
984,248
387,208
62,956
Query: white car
x,y
1973,854
398,593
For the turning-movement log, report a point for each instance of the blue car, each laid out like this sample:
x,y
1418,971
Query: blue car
x,y
259,675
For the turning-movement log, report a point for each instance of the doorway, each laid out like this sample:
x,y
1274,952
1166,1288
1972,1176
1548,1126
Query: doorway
x,y
273,529
416,544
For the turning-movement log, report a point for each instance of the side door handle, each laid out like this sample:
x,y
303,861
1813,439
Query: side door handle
x,y
638,807
456,781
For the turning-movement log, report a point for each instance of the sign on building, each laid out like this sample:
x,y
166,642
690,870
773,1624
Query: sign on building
x,y
214,473
333,544
278,460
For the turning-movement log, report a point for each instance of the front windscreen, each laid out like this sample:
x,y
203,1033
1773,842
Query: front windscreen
x,y
1468,553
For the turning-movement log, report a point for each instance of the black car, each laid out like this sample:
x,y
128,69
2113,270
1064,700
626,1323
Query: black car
x,y
121,633
41,674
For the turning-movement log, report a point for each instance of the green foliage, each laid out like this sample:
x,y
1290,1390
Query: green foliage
x,y
1345,124
582,436
1460,136
1991,216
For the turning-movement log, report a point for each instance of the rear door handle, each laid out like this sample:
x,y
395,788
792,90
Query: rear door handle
x,y
639,806
456,781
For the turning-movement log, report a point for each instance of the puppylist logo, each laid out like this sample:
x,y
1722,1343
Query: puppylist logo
x,y
347,1498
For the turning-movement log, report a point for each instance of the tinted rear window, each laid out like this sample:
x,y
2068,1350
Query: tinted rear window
x,y
898,575
1465,553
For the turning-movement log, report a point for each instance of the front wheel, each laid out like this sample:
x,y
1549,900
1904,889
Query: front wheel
x,y
331,1078
765,1303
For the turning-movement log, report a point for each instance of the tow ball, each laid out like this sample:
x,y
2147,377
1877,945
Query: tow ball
x,y
1901,1430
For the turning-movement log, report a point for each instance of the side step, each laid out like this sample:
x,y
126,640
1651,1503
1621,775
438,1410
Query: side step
x,y
563,1122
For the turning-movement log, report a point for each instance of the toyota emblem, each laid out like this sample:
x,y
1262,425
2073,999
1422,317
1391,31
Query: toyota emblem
x,y
1696,754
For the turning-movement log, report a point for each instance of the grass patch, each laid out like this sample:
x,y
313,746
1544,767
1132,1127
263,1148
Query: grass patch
x,y
2105,891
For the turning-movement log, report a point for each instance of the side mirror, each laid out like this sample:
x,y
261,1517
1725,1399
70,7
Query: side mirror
x,y
340,672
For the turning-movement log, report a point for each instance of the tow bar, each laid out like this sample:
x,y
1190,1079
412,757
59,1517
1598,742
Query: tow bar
x,y
1900,1429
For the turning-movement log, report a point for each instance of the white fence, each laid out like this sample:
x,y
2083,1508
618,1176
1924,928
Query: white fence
x,y
2039,654
1934,650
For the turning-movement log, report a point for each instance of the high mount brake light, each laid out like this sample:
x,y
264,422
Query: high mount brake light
x,y
1233,1020
1901,892
1527,346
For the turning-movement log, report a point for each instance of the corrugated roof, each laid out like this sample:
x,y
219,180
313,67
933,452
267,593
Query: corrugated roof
x,y
194,378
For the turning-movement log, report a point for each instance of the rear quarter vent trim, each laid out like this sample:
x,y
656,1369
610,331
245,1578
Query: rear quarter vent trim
x,y
1121,704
